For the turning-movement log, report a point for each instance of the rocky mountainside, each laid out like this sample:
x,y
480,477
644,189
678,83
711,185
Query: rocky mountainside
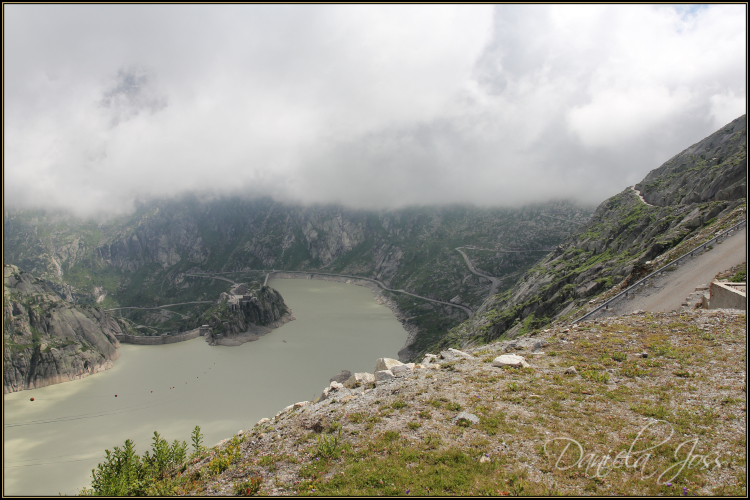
x,y
704,186
47,340
145,259
712,169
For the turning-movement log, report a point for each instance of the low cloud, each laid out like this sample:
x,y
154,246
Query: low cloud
x,y
365,105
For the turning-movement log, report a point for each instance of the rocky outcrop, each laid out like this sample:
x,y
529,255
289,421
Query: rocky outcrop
x,y
47,340
248,320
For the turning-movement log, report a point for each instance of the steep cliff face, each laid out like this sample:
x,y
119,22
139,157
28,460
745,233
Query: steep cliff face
x,y
682,196
47,340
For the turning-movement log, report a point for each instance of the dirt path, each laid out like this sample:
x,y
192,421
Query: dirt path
x,y
641,197
668,292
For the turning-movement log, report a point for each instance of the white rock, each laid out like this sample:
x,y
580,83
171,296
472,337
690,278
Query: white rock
x,y
359,379
301,404
328,391
263,421
400,370
382,375
461,354
513,360
571,371
386,364
466,416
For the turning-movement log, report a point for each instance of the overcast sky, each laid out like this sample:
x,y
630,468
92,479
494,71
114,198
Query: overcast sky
x,y
366,105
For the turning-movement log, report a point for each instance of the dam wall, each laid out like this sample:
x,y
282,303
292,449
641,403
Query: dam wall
x,y
162,339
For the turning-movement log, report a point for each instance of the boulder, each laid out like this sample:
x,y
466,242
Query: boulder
x,y
328,391
513,360
341,377
359,379
386,364
460,354
539,344
383,375
400,370
470,417
571,371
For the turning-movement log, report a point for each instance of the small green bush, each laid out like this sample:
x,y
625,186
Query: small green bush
x,y
739,277
328,446
453,407
197,439
398,404
596,376
125,473
389,436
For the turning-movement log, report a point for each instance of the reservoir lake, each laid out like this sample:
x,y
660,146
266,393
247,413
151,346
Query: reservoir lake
x,y
52,443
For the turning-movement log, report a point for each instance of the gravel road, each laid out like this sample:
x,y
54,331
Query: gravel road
x,y
669,291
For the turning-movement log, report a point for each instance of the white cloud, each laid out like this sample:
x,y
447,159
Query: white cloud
x,y
369,105
726,106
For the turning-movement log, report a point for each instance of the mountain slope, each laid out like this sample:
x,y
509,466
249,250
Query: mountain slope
x,y
47,340
144,259
682,196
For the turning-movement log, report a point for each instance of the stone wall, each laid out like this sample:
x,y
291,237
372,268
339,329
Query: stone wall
x,y
160,339
728,296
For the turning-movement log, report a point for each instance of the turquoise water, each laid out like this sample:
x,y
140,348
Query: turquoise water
x,y
52,443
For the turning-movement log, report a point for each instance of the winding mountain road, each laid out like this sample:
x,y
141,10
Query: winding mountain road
x,y
212,277
495,281
165,305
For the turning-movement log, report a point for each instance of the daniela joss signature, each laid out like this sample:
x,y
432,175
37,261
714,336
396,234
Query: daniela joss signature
x,y
572,455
